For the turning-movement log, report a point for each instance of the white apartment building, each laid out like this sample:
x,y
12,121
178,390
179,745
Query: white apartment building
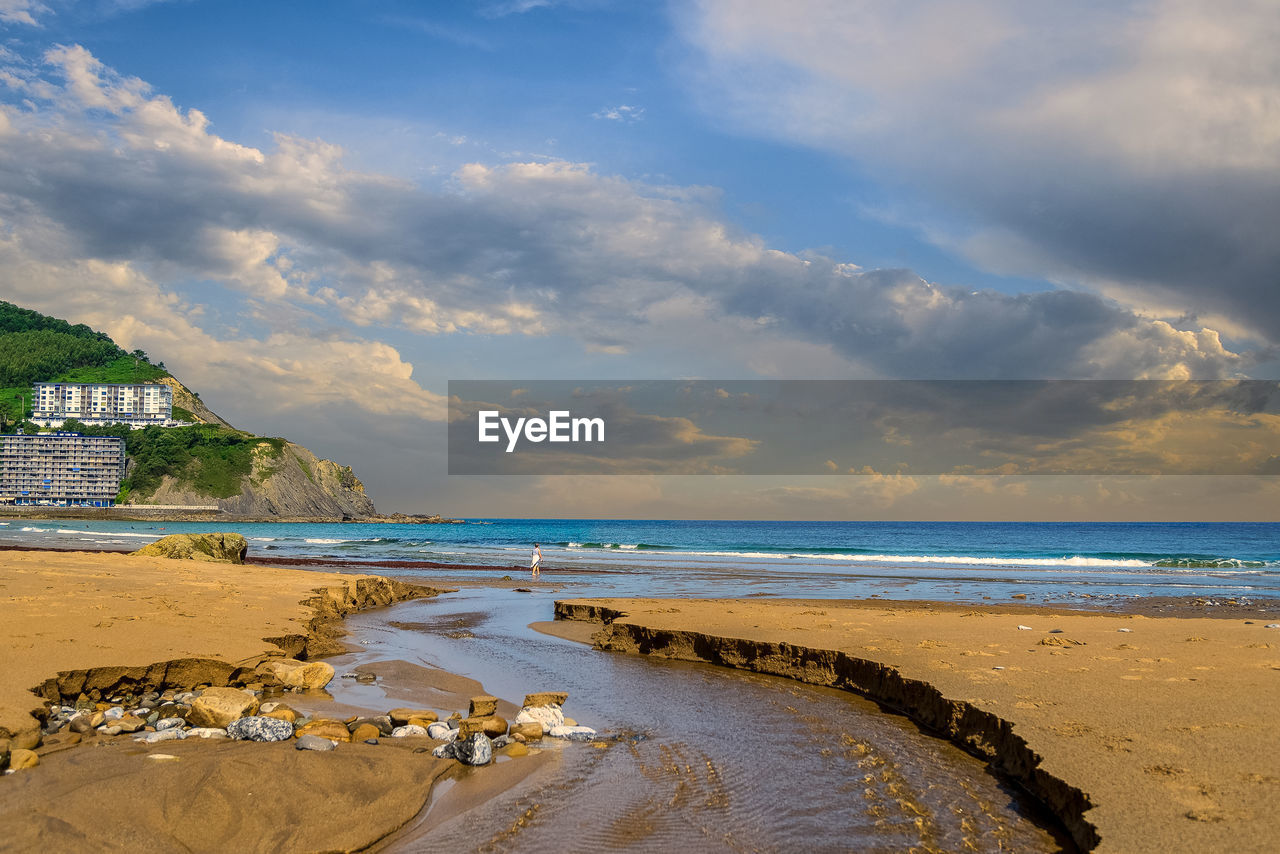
x,y
100,404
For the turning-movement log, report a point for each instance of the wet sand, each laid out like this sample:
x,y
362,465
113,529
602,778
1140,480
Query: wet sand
x,y
1162,737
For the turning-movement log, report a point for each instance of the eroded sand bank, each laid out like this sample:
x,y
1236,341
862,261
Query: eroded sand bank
x,y
1161,737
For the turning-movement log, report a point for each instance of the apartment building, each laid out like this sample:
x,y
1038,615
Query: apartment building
x,y
60,469
99,404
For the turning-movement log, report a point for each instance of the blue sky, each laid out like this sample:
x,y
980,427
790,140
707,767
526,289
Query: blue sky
x,y
318,214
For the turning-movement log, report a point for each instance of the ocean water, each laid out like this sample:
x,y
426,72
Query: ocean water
x,y
944,560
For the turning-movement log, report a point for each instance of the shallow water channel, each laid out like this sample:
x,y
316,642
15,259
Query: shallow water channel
x,y
709,759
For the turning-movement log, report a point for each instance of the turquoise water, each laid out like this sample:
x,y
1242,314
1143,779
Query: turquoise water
x,y
947,560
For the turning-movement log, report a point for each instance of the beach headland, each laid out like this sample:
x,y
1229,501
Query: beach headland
x,y
1139,733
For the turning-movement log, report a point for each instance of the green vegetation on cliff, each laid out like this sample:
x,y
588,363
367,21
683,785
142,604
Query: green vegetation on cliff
x,y
210,459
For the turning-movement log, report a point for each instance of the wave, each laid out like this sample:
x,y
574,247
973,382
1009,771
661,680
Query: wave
x,y
1210,563
102,533
644,547
978,560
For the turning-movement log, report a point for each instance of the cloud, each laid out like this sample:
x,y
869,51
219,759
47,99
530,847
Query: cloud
x,y
1130,147
22,12
624,113
97,169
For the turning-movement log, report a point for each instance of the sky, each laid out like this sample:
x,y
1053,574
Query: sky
x,y
319,214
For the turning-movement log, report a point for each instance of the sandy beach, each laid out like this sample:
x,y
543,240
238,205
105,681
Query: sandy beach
x,y
1141,733
78,621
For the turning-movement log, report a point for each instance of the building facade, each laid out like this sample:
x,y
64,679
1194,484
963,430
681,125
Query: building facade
x,y
99,404
60,469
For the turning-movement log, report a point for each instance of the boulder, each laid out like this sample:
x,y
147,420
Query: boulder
x,y
20,758
547,716
483,706
400,717
491,725
303,675
217,707
218,548
332,730
476,750
314,742
546,698
407,731
382,723
364,732
531,731
260,729
441,731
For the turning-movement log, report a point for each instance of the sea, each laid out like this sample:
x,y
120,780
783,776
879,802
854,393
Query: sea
x,y
960,561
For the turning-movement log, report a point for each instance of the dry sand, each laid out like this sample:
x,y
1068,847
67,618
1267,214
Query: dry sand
x,y
1165,737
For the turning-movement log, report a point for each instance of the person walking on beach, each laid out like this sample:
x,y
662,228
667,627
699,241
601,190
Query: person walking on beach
x,y
535,564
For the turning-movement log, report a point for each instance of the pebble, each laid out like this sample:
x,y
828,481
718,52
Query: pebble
x,y
314,742
161,756
206,732
1024,628
1272,626
114,713
260,729
572,733
1124,630
408,730
161,735
168,723
110,730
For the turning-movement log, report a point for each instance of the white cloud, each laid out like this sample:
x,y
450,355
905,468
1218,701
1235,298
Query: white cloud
x,y
624,113
1131,147
22,12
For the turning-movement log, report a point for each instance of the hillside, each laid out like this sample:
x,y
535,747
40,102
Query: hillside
x,y
208,463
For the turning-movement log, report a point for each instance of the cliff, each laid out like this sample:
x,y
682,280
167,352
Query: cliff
x,y
290,482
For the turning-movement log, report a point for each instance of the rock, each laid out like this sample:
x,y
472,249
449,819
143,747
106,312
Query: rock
x,y
490,725
303,675
218,548
366,678
1024,628
218,707
382,723
1272,626
483,706
530,730
82,724
161,735
168,723
547,716
207,732
5,747
260,729
1124,630
282,713
314,742
109,730
364,732
400,717
114,713
330,729
407,731
546,698
97,719
130,723
20,758
568,721
573,733
520,738
515,748
441,731
1019,596
476,750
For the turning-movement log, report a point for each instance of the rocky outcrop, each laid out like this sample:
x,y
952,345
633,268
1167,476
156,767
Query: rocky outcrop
x,y
218,548
185,398
292,483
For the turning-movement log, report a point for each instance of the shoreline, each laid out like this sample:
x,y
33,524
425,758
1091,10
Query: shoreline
x,y
1140,733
